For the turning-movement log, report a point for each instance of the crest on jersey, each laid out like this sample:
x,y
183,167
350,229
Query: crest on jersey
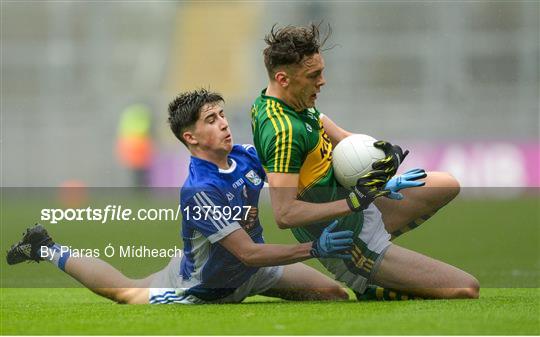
x,y
309,128
253,177
310,113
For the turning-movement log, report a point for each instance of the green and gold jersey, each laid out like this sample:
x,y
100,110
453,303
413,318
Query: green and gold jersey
x,y
296,142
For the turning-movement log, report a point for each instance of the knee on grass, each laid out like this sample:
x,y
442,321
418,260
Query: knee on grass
x,y
330,294
127,296
339,294
471,291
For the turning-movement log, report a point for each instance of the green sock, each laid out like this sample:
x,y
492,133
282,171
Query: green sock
x,y
375,293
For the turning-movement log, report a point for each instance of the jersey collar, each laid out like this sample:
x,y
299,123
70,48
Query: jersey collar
x,y
199,162
263,95
232,167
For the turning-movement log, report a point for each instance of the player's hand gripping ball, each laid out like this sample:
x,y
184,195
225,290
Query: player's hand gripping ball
x,y
368,188
354,157
394,156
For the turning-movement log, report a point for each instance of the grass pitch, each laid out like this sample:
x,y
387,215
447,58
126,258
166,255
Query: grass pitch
x,y
498,241
78,311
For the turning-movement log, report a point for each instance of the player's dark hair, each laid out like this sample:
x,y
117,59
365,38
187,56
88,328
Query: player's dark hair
x,y
290,44
185,109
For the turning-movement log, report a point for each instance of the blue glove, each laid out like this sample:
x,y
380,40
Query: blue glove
x,y
406,180
333,245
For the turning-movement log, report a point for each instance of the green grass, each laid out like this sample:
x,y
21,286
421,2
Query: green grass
x,y
498,241
77,311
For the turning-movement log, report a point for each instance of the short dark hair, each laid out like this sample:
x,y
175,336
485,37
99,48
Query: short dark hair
x,y
185,109
290,44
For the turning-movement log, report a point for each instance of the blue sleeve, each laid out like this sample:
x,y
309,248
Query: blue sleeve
x,y
204,212
250,149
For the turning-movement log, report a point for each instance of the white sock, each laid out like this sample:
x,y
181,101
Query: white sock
x,y
57,255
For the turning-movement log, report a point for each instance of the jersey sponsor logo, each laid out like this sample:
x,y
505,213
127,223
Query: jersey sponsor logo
x,y
253,177
326,148
238,183
230,196
317,163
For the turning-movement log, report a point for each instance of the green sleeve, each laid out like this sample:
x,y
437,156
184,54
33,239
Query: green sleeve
x,y
281,145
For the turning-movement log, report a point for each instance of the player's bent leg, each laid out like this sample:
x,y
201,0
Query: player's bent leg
x,y
419,204
137,295
422,276
300,282
105,280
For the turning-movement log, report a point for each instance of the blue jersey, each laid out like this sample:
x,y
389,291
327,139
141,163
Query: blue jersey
x,y
215,203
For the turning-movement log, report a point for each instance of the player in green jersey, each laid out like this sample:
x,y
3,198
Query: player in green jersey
x,y
294,142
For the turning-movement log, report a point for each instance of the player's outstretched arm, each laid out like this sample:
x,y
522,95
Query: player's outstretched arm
x,y
329,245
290,212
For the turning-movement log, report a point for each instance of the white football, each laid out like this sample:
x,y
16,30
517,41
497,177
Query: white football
x,y
352,158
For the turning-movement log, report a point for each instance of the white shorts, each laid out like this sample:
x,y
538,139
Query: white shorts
x,y
366,261
168,287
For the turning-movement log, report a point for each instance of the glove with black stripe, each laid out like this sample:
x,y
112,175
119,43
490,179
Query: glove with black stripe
x,y
368,188
394,157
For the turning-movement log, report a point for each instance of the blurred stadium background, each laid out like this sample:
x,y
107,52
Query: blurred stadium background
x,y
456,81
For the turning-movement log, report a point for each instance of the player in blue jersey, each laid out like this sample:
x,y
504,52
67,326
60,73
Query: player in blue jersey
x,y
224,258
